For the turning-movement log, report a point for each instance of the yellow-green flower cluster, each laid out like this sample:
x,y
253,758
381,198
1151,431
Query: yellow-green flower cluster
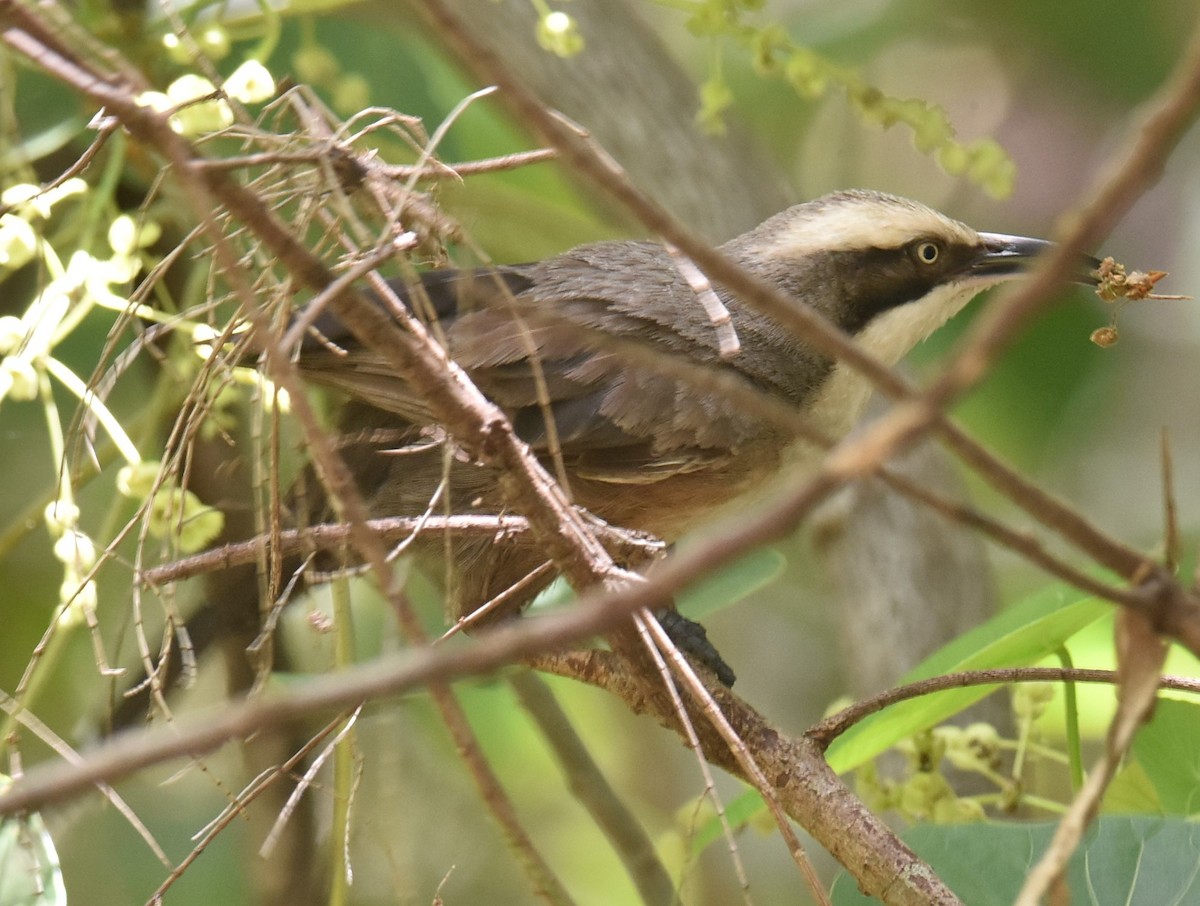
x,y
197,107
775,55
559,34
173,512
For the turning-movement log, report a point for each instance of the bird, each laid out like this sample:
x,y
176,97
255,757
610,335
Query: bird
x,y
591,354
640,446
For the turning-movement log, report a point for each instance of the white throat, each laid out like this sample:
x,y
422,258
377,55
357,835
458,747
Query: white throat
x,y
889,337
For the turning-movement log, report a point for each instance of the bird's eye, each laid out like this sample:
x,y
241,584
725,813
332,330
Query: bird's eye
x,y
927,251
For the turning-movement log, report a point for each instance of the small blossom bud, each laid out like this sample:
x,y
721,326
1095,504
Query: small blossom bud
x,y
176,49
22,378
12,334
251,83
76,550
17,194
199,117
18,242
558,33
78,600
1030,699
126,235
155,100
60,515
215,42
351,93
137,480
315,65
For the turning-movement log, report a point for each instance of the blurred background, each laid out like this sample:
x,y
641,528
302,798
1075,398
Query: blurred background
x,y
1058,85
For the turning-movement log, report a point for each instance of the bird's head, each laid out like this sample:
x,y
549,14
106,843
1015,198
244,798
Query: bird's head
x,y
887,270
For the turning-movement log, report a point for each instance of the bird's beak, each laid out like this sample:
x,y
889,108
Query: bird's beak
x,y
1004,255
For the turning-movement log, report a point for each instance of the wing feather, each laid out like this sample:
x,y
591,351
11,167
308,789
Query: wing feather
x,y
532,337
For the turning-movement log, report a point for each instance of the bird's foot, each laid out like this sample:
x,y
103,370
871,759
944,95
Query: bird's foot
x,y
692,640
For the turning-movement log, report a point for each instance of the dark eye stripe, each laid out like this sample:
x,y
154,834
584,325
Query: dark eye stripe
x,y
873,281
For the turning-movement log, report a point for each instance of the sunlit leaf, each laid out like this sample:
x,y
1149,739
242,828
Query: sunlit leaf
x,y
1168,749
1018,637
29,871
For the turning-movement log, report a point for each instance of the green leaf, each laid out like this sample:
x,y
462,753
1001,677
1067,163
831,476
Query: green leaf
x,y
29,871
1131,793
715,98
1121,861
1019,636
1168,749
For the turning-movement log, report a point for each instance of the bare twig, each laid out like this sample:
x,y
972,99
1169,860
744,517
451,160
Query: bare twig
x,y
332,536
65,751
431,169
687,730
737,748
1021,543
1171,539
252,791
344,725
593,791
834,726
728,343
104,131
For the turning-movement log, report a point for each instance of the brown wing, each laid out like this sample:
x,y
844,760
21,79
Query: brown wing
x,y
539,340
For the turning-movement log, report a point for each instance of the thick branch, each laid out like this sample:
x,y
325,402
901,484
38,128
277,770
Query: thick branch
x,y
807,788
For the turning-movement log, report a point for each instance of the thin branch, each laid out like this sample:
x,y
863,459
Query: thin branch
x,y
344,725
332,536
438,169
21,715
546,884
230,814
1020,543
834,726
687,731
431,169
104,131
1060,517
1170,114
728,344
737,748
1172,544
593,791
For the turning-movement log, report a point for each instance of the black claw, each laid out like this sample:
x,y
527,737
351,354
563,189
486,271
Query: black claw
x,y
692,640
